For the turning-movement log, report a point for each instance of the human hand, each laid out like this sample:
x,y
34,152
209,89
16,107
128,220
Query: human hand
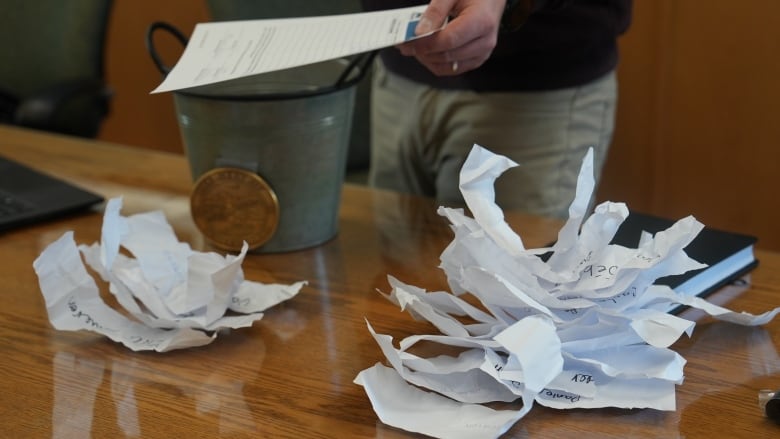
x,y
467,40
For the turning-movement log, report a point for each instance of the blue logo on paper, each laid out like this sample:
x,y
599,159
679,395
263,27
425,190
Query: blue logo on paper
x,y
412,26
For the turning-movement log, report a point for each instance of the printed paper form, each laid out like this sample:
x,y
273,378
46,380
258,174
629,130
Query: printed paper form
x,y
220,51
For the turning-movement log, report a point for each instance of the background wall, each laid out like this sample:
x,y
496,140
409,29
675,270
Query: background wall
x,y
137,117
697,130
698,127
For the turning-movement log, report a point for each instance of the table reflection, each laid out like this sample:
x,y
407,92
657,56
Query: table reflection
x,y
208,389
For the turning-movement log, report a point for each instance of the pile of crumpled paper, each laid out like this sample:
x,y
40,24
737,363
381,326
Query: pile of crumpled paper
x,y
582,327
172,296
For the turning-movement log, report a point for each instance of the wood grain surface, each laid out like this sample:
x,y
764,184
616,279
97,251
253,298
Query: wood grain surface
x,y
291,374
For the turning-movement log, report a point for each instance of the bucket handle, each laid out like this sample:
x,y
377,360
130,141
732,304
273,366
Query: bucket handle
x,y
164,69
362,61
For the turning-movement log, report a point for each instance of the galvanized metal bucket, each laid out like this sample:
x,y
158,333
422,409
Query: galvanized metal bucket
x,y
290,127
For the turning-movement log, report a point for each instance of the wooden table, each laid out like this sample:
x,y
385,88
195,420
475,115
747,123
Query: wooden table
x,y
290,375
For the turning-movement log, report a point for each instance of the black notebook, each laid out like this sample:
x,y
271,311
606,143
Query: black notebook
x,y
28,195
728,255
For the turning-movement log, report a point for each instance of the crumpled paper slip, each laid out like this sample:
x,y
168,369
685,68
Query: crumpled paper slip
x,y
173,297
584,328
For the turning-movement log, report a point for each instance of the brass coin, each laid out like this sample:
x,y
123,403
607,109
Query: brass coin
x,y
231,205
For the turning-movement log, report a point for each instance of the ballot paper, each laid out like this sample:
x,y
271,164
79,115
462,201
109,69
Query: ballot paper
x,y
577,325
219,51
171,296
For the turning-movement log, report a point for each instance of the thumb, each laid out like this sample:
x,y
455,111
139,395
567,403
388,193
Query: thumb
x,y
434,16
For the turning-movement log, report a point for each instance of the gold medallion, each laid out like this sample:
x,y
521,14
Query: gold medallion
x,y
232,205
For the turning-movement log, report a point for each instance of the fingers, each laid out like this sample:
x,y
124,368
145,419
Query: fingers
x,y
464,44
454,67
434,16
453,62
481,46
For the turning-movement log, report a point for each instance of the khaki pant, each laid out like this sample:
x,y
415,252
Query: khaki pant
x,y
421,136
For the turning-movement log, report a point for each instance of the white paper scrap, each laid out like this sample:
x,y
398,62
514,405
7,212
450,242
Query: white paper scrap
x,y
402,405
584,328
172,296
